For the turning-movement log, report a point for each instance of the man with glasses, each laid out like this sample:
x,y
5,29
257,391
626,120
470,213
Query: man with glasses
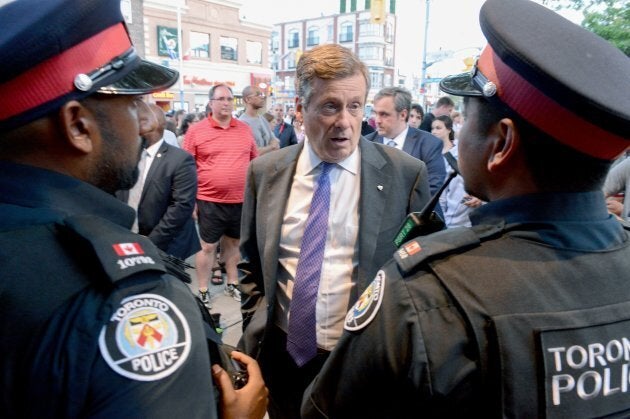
x,y
222,148
254,100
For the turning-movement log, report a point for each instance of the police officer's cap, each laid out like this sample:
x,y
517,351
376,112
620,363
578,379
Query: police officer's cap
x,y
53,51
561,78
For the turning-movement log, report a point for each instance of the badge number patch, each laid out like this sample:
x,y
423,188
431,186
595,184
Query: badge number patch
x,y
146,339
366,307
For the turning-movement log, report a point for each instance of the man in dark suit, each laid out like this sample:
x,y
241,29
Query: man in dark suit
x,y
392,106
166,193
282,130
369,189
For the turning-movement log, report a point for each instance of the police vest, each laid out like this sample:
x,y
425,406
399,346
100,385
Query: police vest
x,y
552,326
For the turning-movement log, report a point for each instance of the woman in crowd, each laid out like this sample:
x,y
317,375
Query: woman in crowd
x,y
455,202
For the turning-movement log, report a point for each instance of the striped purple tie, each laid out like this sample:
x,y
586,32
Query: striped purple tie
x,y
301,337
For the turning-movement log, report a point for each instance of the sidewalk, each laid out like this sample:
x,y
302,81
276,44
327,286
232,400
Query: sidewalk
x,y
229,309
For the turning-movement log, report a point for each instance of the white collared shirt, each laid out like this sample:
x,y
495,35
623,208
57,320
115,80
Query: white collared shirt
x,y
342,247
152,151
399,139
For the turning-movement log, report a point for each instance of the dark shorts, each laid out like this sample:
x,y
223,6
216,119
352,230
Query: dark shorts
x,y
216,219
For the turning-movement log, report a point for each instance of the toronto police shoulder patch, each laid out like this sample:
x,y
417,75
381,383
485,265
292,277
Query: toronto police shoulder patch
x,y
146,339
366,307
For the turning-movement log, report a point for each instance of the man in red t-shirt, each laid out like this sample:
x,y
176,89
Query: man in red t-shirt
x,y
222,148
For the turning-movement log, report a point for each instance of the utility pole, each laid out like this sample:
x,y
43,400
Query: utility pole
x,y
424,56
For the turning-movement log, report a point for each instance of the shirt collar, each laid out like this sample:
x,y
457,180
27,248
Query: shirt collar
x,y
399,139
309,160
153,149
215,124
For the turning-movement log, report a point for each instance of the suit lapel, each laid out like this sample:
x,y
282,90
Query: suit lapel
x,y
410,143
375,186
155,165
278,189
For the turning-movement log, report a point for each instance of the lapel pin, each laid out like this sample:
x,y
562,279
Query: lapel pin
x,y
159,155
379,187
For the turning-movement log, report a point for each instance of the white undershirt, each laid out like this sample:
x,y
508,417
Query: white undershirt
x,y
341,252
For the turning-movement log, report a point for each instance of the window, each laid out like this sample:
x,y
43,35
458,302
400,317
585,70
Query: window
x,y
370,29
370,52
294,39
346,32
389,32
254,52
199,45
229,48
389,56
376,80
331,33
313,36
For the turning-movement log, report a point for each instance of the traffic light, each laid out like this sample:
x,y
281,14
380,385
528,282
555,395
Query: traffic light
x,y
377,11
468,62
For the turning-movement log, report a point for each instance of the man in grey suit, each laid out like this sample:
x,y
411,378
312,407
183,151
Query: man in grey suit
x,y
367,189
167,193
392,106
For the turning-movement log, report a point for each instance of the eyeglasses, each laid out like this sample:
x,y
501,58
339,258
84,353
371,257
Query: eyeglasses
x,y
223,99
258,94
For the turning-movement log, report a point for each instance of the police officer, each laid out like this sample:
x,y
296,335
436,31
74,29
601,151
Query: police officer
x,y
527,313
91,323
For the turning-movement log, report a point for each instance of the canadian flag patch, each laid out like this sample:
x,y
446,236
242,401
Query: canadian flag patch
x,y
128,249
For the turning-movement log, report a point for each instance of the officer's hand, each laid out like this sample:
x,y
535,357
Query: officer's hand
x,y
472,202
614,206
274,143
247,402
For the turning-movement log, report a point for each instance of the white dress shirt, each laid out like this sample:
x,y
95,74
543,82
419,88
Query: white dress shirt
x,y
399,139
149,155
341,251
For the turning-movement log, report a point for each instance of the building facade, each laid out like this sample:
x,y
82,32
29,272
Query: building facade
x,y
368,33
215,47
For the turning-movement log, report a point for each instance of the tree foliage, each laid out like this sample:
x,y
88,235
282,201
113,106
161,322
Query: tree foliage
x,y
609,19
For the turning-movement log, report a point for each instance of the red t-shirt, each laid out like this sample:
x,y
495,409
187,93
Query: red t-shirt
x,y
222,156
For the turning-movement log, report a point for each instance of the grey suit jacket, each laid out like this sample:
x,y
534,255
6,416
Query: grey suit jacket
x,y
393,184
426,147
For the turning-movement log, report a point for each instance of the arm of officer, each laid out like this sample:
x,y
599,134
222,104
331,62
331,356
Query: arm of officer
x,y
248,402
182,203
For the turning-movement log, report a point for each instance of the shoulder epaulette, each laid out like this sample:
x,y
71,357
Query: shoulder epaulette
x,y
121,252
452,240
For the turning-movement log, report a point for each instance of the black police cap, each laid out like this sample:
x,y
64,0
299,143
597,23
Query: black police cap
x,y
561,78
53,51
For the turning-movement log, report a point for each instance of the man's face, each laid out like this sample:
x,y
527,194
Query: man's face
x,y
415,119
472,152
443,110
332,120
222,103
256,99
291,112
122,120
389,123
278,113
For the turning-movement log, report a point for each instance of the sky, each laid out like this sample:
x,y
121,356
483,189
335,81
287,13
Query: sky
x,y
447,30
453,25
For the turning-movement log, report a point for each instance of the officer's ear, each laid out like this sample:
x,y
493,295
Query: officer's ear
x,y
505,146
79,126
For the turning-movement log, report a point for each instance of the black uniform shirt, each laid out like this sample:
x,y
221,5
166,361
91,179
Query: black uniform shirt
x,y
90,323
417,341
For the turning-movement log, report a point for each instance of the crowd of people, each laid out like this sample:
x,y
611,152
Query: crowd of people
x,y
517,308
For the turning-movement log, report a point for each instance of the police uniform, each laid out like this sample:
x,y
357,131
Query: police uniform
x,y
525,314
92,323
